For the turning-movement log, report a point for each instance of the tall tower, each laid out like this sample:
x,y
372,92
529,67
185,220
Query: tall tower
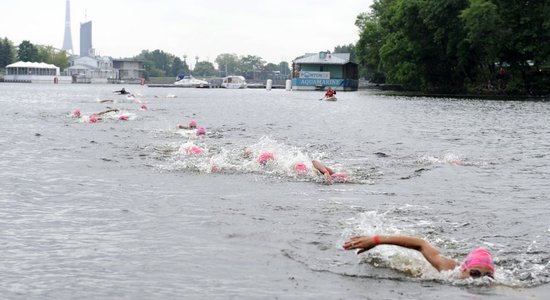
x,y
86,39
68,40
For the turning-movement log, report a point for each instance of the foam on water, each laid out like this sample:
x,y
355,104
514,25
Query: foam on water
x,y
245,159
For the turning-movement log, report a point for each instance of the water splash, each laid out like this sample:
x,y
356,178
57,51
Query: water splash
x,y
266,157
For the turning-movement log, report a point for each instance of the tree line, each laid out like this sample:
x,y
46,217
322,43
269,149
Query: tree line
x,y
26,51
157,63
457,46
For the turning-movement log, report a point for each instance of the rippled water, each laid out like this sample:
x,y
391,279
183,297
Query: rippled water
x,y
119,209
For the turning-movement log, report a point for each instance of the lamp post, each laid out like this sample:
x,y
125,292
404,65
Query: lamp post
x,y
186,67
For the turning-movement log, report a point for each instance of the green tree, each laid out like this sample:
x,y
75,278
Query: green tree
x,y
250,65
177,66
228,64
271,67
350,48
157,63
50,55
284,67
27,52
60,59
416,41
368,47
453,45
525,41
480,51
204,69
7,52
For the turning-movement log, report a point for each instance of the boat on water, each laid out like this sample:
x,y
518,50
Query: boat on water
x,y
187,80
331,98
234,82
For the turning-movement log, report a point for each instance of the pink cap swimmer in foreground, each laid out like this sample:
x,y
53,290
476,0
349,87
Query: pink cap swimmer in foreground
x,y
478,263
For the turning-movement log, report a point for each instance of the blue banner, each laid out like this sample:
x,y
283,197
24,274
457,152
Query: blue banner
x,y
317,82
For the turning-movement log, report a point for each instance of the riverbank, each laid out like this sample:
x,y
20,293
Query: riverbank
x,y
398,90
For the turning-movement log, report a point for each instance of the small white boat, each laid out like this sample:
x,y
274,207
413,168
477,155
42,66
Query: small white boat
x,y
234,82
331,98
189,81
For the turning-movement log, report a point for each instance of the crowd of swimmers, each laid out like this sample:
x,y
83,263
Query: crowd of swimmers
x,y
477,264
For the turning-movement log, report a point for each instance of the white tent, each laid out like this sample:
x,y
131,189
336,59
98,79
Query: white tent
x,y
24,71
32,68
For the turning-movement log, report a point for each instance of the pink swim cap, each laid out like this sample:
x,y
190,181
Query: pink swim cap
x,y
144,107
76,113
194,150
193,124
300,168
479,257
339,177
201,131
92,120
123,117
264,157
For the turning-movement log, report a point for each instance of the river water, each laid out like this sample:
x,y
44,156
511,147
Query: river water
x,y
118,209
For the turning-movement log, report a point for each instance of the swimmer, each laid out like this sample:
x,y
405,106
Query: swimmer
x,y
192,125
301,168
97,116
76,113
143,107
122,92
194,150
201,131
265,157
478,263
329,174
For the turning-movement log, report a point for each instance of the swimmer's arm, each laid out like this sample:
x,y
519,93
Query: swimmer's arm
x,y
431,253
107,111
321,167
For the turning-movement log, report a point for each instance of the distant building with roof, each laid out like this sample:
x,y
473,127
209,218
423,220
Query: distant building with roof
x,y
129,70
91,69
318,71
33,72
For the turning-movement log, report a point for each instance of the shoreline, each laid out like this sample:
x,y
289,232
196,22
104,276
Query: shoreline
x,y
388,92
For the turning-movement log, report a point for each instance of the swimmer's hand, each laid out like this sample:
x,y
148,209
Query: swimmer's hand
x,y
363,243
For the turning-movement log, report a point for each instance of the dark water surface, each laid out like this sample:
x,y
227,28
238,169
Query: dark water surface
x,y
118,210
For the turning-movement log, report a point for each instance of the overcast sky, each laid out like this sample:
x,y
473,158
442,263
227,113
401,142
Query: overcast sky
x,y
275,30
